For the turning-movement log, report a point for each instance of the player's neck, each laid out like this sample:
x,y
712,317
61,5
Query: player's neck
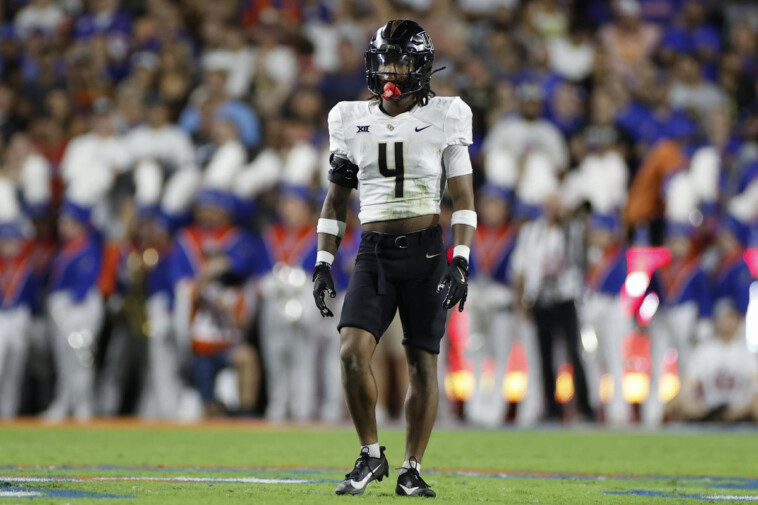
x,y
396,107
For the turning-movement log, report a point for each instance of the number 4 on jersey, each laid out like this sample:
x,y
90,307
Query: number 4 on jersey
x,y
398,171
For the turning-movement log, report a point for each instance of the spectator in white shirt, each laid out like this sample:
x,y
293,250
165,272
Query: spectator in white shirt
x,y
101,146
103,150
237,58
521,135
159,139
573,56
29,172
40,15
690,91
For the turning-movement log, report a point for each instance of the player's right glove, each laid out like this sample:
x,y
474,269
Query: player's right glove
x,y
454,283
323,284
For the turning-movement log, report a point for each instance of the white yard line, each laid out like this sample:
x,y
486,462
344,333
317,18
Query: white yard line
x,y
240,480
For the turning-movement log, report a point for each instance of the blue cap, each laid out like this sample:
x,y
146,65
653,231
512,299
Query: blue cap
x,y
527,211
244,209
148,212
295,191
215,198
10,229
76,211
495,191
172,223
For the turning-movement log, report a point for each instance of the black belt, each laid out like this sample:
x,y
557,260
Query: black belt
x,y
386,241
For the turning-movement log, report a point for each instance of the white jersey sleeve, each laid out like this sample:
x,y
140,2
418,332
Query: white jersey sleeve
x,y
457,161
458,124
337,143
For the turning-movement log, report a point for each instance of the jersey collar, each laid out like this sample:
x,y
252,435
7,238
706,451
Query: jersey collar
x,y
376,111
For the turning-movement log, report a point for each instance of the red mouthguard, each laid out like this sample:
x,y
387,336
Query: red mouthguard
x,y
390,90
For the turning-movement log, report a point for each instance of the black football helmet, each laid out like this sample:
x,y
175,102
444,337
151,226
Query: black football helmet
x,y
400,52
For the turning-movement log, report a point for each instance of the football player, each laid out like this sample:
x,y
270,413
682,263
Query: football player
x,y
401,148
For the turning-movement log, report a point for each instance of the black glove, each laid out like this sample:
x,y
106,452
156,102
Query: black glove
x,y
455,281
322,284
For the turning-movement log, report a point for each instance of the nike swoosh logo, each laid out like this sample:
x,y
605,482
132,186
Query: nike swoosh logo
x,y
408,490
360,484
429,256
424,128
463,279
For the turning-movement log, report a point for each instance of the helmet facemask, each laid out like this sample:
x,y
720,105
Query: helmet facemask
x,y
405,71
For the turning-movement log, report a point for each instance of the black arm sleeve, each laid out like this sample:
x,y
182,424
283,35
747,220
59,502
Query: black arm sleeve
x,y
343,172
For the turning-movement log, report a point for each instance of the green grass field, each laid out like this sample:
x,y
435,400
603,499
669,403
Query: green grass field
x,y
252,463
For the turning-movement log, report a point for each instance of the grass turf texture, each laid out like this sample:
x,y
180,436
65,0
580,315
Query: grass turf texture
x,y
594,460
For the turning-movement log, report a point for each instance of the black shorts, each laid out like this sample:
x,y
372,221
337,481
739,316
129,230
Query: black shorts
x,y
398,272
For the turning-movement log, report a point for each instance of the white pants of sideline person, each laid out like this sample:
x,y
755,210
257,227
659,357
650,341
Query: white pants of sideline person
x,y
13,349
289,346
74,328
493,327
605,314
671,327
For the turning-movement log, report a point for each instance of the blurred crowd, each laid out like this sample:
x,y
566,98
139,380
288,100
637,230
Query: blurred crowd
x,y
163,162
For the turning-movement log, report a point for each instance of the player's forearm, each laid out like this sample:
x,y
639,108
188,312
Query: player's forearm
x,y
332,222
464,217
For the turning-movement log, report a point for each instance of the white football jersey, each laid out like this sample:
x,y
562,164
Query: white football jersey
x,y
401,173
728,372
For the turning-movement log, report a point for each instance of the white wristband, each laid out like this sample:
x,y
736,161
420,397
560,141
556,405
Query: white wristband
x,y
462,250
324,257
331,226
467,217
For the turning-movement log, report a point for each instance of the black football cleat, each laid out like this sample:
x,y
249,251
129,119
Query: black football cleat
x,y
410,483
366,469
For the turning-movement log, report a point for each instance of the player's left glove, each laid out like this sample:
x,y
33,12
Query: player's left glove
x,y
323,284
455,282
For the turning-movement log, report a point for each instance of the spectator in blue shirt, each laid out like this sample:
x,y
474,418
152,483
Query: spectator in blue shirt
x,y
218,104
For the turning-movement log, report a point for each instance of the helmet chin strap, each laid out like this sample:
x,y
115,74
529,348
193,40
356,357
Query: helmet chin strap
x,y
391,91
394,93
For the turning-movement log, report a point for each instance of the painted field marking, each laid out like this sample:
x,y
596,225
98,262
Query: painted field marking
x,y
9,491
208,480
19,494
744,482
725,483
705,497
